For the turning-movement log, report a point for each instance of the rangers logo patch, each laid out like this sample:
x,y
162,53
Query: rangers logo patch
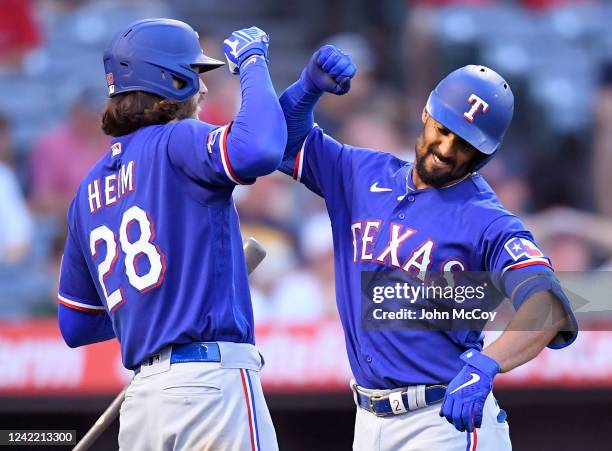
x,y
478,104
522,247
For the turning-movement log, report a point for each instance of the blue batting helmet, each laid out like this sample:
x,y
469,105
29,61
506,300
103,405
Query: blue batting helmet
x,y
150,54
475,103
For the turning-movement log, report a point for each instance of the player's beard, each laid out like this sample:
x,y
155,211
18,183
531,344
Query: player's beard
x,y
438,178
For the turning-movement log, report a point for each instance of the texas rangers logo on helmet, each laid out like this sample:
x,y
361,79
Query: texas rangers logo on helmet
x,y
478,103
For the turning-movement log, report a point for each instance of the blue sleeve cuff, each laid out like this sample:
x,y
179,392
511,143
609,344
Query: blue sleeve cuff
x,y
483,362
298,107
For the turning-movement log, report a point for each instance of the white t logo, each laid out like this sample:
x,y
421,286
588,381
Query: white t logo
x,y
478,103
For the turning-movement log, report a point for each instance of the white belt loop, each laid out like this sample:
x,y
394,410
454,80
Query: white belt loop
x,y
420,396
412,398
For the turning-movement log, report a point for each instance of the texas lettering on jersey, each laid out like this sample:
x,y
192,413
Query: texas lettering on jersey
x,y
366,238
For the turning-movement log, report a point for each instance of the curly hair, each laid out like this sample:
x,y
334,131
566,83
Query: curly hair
x,y
127,112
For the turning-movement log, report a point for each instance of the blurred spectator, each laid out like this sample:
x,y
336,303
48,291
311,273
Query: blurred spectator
x,y
62,156
268,202
573,239
265,213
308,293
373,132
528,3
543,4
512,190
567,252
15,221
281,260
440,3
19,33
23,284
333,110
602,145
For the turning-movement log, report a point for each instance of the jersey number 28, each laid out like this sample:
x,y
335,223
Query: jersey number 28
x,y
133,251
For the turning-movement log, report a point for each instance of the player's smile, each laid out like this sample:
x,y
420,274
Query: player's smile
x,y
439,161
442,157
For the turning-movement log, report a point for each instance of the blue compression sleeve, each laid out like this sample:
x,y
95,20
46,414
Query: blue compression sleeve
x,y
298,105
258,135
83,328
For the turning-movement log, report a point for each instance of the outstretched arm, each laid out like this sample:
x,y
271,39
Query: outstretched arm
x,y
329,70
257,138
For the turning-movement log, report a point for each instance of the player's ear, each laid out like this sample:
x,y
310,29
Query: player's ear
x,y
424,115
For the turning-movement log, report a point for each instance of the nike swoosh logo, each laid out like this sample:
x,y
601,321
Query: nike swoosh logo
x,y
475,378
376,189
251,59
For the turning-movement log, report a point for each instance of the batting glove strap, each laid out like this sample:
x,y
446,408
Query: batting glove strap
x,y
482,362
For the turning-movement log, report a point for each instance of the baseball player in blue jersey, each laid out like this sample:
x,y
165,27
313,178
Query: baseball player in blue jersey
x,y
426,389
154,254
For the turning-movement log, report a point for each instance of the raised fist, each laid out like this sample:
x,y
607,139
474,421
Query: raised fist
x,y
329,70
244,43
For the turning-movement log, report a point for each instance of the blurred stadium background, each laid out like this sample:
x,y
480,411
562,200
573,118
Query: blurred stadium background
x,y
553,171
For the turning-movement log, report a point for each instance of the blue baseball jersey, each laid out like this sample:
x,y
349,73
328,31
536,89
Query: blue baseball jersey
x,y
154,241
381,222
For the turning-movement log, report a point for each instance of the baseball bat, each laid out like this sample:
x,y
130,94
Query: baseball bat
x,y
254,253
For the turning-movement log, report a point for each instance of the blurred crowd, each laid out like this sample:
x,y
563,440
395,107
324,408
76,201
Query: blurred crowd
x,y
552,170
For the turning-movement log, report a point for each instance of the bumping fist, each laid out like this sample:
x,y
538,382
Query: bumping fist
x,y
329,70
242,44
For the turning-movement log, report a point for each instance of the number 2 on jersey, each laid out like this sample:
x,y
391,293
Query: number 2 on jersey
x,y
133,251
